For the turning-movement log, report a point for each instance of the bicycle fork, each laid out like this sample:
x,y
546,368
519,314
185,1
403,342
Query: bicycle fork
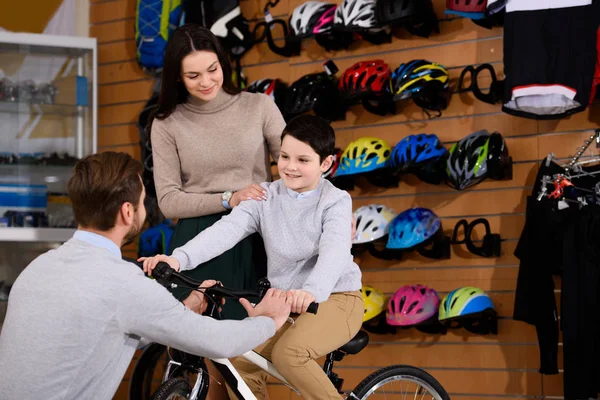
x,y
201,378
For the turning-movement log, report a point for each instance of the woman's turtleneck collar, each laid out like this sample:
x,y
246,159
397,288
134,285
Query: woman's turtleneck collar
x,y
222,100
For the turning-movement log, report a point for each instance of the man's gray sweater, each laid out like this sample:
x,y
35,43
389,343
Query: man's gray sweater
x,y
77,314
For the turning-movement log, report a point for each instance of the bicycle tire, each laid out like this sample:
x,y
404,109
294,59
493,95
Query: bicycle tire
x,y
364,388
140,385
175,386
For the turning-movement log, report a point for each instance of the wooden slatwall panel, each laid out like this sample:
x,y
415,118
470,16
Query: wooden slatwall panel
x,y
468,366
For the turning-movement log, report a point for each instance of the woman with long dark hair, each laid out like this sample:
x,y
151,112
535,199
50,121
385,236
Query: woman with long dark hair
x,y
211,145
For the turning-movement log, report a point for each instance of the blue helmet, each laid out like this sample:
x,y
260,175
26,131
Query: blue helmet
x,y
412,228
416,150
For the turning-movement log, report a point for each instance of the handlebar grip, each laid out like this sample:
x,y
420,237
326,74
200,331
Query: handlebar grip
x,y
313,308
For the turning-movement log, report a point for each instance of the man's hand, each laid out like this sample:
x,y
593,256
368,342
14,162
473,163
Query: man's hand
x,y
274,305
150,262
301,299
196,300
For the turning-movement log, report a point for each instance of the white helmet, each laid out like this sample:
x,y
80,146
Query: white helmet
x,y
305,17
372,222
356,15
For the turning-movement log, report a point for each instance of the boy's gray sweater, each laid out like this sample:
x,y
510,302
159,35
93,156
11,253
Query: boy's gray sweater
x,y
307,239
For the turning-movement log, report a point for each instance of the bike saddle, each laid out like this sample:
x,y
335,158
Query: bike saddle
x,y
356,344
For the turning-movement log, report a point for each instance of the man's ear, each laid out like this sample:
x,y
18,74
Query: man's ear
x,y
326,164
126,213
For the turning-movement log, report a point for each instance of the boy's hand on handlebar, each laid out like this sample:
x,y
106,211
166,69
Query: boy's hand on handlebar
x,y
196,301
151,262
274,304
300,299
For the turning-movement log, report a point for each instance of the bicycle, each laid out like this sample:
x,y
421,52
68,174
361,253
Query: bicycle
x,y
182,366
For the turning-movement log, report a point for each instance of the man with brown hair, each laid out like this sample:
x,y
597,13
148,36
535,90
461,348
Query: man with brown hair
x,y
76,314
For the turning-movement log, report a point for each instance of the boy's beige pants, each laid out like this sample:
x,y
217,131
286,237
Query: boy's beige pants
x,y
295,347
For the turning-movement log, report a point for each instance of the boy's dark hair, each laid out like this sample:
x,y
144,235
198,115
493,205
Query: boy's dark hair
x,y
314,131
100,184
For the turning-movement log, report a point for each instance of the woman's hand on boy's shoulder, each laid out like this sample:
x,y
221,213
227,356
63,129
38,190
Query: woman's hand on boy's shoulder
x,y
251,192
301,299
151,262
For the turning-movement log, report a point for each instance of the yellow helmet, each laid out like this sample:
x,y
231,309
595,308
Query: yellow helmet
x,y
364,155
374,300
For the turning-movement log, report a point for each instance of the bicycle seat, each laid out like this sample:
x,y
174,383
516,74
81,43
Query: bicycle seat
x,y
356,344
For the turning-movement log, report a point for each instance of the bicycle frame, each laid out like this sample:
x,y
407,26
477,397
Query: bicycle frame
x,y
232,376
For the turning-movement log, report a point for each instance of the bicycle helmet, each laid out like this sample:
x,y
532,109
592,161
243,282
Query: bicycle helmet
x,y
316,92
337,154
356,15
364,78
311,17
476,157
417,16
426,82
374,301
412,305
471,308
364,155
412,228
416,150
474,9
274,88
372,223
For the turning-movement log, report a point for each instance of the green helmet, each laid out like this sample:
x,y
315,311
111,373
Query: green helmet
x,y
463,302
478,156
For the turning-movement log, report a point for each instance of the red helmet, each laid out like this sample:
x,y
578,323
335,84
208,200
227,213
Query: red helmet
x,y
365,78
467,6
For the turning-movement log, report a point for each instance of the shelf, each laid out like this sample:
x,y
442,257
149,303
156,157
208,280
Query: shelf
x,y
14,107
47,44
36,234
55,177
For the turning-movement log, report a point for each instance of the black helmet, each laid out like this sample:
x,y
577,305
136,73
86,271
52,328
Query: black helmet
x,y
417,16
317,92
274,88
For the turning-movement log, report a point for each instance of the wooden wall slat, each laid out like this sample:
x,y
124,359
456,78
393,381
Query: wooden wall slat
x,y
118,135
112,10
139,91
112,31
488,278
471,203
119,114
116,51
121,72
433,355
409,184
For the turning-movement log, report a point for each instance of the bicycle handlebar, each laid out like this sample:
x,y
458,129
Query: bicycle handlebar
x,y
165,275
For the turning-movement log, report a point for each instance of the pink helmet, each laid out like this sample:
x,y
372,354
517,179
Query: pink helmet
x,y
325,21
411,305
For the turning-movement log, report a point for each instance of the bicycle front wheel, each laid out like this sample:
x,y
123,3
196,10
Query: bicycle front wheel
x,y
399,382
173,389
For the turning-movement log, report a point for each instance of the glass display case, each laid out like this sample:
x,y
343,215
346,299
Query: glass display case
x,y
48,120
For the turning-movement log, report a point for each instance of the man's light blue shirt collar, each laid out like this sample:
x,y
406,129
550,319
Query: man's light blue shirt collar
x,y
98,240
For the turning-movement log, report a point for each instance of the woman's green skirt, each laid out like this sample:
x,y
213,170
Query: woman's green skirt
x,y
239,268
